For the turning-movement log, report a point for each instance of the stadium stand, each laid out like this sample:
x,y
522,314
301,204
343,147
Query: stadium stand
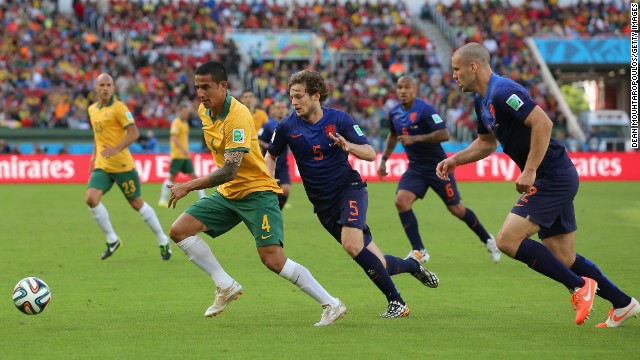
x,y
48,59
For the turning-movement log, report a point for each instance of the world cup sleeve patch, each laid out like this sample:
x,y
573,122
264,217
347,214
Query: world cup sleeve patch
x,y
358,131
129,116
515,102
238,136
436,118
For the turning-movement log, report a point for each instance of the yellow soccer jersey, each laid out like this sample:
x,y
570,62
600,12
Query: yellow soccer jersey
x,y
260,118
180,129
234,131
109,125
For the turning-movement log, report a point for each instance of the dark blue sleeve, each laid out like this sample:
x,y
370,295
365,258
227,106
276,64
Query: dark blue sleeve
x,y
431,119
351,131
279,140
513,102
265,132
477,103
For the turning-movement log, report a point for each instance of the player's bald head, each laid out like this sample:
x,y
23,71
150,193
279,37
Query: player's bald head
x,y
473,52
104,77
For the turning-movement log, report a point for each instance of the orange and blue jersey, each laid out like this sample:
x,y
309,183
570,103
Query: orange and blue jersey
x,y
419,119
323,166
502,112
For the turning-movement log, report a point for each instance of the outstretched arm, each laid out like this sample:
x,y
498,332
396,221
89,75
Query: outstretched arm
x,y
362,152
479,149
217,177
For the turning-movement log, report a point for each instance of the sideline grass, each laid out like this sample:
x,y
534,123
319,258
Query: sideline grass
x,y
136,306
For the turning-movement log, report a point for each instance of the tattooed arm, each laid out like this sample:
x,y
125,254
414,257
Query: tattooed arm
x,y
217,177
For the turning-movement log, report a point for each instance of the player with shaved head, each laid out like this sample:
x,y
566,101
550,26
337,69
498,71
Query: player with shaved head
x,y
114,130
546,186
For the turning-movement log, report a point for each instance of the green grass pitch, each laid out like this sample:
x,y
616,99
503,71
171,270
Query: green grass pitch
x,y
135,306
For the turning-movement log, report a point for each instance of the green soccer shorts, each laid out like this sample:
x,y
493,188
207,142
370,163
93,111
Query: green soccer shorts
x,y
259,211
128,182
184,166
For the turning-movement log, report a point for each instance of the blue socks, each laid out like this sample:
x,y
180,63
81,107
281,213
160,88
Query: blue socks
x,y
606,289
410,225
542,260
395,265
372,266
474,224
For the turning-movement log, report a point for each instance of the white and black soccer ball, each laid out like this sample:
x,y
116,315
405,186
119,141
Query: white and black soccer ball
x,y
31,295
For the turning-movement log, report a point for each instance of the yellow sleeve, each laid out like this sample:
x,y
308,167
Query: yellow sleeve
x,y
175,127
238,130
124,116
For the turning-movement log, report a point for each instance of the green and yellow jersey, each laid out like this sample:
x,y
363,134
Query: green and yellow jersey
x,y
180,129
109,125
260,118
234,131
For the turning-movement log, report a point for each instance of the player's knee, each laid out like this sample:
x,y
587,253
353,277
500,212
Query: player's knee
x,y
176,233
457,210
273,262
351,248
403,204
506,244
136,204
92,200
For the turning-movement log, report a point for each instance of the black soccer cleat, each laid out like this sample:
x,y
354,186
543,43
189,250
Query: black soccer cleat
x,y
426,277
111,248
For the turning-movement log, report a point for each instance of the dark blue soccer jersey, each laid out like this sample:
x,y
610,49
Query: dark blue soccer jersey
x,y
323,166
502,113
266,133
419,119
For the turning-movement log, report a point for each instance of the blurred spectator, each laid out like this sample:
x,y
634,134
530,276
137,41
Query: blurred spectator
x,y
37,149
4,147
149,142
64,150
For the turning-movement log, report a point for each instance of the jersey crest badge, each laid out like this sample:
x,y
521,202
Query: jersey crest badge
x,y
492,111
238,136
413,116
515,102
330,129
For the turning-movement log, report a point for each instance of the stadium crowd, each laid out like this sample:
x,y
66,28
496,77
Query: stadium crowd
x,y
493,22
48,60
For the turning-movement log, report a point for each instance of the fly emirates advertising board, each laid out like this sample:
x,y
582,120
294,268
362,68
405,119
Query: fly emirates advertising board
x,y
39,169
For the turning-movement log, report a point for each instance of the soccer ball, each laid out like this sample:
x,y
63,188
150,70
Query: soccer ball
x,y
31,295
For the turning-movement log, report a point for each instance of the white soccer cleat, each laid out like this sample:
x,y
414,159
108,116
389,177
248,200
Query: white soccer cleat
x,y
620,315
493,250
421,255
223,298
331,314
